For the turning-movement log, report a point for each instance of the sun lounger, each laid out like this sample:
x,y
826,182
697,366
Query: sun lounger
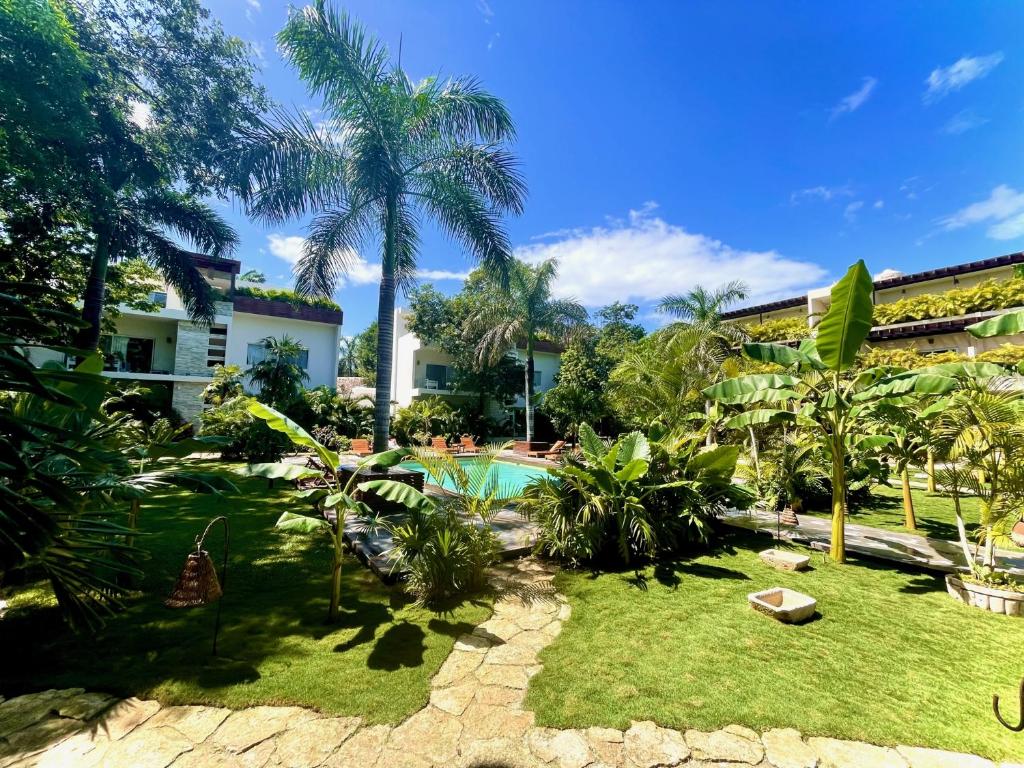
x,y
554,450
467,445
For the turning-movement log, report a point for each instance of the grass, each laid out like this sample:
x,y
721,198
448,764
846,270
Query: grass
x,y
275,644
890,660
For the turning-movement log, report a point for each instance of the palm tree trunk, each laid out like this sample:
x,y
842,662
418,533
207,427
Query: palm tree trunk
x,y
385,337
529,388
838,548
910,522
931,471
88,338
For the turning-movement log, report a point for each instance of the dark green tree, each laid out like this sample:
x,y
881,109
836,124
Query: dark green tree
x,y
366,346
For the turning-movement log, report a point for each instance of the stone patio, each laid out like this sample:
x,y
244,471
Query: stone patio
x,y
475,717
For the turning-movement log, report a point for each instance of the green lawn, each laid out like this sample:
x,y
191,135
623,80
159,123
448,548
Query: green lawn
x,y
891,659
276,646
933,512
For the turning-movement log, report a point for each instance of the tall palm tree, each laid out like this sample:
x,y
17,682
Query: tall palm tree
x,y
391,153
700,327
347,356
279,376
518,313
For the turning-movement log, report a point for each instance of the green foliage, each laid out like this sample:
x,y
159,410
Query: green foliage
x,y
988,295
278,377
618,332
248,438
365,351
345,417
424,418
289,297
635,497
578,394
445,543
253,276
226,385
782,329
847,323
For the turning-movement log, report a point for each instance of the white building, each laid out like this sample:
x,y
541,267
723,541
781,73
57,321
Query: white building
x,y
165,349
419,370
929,335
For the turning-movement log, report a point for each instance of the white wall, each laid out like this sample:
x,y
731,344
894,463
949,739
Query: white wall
x,y
403,360
321,339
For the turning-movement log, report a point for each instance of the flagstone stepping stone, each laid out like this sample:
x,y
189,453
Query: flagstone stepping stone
x,y
645,745
310,743
430,733
731,744
86,706
606,744
23,711
248,727
362,749
565,749
488,721
503,674
835,753
125,716
785,748
454,700
918,757
193,722
147,748
458,666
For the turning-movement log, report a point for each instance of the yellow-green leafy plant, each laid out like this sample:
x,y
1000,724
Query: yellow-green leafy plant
x,y
782,329
988,295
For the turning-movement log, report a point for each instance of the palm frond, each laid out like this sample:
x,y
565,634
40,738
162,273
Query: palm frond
x,y
462,109
330,250
191,219
491,171
180,270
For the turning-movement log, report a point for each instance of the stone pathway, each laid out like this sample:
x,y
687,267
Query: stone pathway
x,y
475,718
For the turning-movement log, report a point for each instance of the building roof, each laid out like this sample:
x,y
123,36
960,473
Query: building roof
x,y
1007,260
203,261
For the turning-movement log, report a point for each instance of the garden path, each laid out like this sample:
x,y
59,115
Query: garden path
x,y
475,717
906,548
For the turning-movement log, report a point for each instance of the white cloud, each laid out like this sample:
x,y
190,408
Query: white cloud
x,y
879,204
441,274
485,10
855,100
645,258
287,247
1004,208
820,193
259,51
851,210
963,121
142,114
250,6
945,80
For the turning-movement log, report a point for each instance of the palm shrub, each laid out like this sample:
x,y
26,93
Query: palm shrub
x,y
278,376
634,497
445,543
226,384
787,474
245,437
425,418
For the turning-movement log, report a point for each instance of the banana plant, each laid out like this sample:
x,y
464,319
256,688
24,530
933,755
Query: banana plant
x,y
333,495
813,392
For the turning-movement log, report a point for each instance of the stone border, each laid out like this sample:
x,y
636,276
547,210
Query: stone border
x,y
475,719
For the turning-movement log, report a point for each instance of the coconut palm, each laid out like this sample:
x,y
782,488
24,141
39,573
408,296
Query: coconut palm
x,y
391,154
347,356
279,376
521,311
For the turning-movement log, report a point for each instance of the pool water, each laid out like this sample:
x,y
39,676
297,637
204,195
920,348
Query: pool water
x,y
512,477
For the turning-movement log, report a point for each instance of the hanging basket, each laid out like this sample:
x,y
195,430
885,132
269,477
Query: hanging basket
x,y
197,584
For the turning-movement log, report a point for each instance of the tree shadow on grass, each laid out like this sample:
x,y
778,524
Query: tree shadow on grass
x,y
401,645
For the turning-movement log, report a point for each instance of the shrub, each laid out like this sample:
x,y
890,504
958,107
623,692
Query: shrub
x,y
635,497
426,418
226,384
251,439
782,329
323,407
291,297
988,295
328,436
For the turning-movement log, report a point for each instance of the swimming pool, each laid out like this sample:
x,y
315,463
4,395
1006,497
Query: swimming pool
x,y
511,476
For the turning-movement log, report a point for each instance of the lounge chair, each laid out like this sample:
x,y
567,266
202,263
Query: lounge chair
x,y
360,447
553,451
440,445
467,445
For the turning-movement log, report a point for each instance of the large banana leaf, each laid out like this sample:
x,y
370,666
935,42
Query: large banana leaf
x,y
593,446
186,447
719,461
733,390
1003,325
918,383
400,493
281,423
385,459
293,523
775,353
760,416
279,471
848,321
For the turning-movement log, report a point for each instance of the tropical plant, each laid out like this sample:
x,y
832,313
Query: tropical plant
x,y
980,433
788,473
780,329
445,543
631,498
395,153
425,418
347,356
324,407
245,437
578,395
253,276
987,295
289,297
815,393
519,313
226,385
278,377
332,501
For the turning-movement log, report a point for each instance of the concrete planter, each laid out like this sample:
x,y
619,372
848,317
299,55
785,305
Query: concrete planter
x,y
1004,601
786,605
784,561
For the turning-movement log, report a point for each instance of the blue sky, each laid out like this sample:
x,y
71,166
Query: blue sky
x,y
669,144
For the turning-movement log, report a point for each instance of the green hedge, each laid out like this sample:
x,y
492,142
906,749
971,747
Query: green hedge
x,y
280,294
989,295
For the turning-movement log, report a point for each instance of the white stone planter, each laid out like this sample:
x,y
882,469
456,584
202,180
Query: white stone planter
x,y
1004,601
786,605
784,561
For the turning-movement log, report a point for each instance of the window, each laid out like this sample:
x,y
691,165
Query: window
x,y
127,354
159,298
436,377
538,377
257,353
